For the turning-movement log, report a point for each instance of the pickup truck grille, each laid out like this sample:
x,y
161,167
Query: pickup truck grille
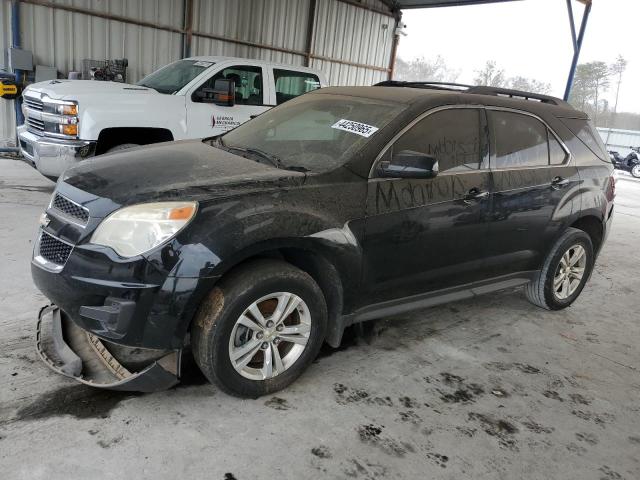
x,y
33,103
35,126
70,209
54,250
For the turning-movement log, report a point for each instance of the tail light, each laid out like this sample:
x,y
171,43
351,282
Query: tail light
x,y
611,191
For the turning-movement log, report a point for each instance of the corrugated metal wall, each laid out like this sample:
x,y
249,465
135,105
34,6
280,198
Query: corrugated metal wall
x,y
341,31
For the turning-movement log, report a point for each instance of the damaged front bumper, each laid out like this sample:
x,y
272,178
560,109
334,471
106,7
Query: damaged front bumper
x,y
76,353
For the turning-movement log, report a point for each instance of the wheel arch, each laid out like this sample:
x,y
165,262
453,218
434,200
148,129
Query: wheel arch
x,y
113,136
323,265
592,226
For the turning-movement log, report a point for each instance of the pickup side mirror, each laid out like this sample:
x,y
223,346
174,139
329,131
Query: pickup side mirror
x,y
409,164
223,93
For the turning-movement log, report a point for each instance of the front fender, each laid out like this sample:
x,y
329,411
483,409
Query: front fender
x,y
131,111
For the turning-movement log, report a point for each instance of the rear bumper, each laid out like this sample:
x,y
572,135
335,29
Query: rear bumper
x,y
73,352
51,156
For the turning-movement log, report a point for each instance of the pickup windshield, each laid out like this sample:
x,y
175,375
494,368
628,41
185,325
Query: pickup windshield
x,y
314,132
174,76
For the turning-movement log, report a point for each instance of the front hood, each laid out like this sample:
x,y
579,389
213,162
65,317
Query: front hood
x,y
72,89
188,169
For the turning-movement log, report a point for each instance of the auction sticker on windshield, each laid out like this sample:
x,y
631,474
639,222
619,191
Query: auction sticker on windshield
x,y
358,128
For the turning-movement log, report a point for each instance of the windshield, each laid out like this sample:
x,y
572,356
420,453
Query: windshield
x,y
174,76
316,132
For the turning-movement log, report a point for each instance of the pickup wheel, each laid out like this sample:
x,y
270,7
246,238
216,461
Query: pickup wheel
x,y
122,146
259,328
566,269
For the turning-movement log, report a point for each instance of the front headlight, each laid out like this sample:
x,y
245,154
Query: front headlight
x,y
134,230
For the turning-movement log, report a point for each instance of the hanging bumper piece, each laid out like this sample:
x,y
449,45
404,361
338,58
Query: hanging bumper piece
x,y
73,352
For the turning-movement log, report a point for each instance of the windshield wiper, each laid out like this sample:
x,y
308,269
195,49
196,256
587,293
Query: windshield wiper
x,y
272,159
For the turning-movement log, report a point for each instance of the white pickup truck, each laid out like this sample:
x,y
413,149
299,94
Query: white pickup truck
x,y
67,121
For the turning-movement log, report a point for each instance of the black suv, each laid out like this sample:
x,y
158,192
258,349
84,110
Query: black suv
x,y
343,205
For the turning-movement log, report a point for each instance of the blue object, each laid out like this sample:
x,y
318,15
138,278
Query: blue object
x,y
15,43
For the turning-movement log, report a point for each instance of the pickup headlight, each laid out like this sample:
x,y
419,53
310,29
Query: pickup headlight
x,y
134,230
60,117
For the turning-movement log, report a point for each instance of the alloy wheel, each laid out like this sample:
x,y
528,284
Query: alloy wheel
x,y
569,272
635,171
270,336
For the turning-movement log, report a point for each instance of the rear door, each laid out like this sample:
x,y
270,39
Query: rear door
x,y
428,234
252,98
525,196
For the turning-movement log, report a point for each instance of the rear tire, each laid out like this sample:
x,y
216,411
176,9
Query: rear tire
x,y
557,286
227,324
635,171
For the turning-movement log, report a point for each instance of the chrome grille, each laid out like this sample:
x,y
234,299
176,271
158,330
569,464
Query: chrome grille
x,y
54,250
70,209
35,125
33,103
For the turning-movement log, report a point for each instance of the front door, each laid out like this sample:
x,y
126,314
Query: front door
x,y
428,234
208,119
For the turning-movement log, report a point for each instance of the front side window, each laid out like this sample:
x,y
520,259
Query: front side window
x,y
313,132
248,82
454,137
175,76
520,140
290,84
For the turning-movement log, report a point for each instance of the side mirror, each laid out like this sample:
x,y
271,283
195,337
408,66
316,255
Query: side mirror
x,y
224,93
409,164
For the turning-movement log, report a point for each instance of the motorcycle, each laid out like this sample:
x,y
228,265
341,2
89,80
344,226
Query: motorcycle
x,y
630,163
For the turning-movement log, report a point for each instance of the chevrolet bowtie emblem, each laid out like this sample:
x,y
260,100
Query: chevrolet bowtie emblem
x,y
44,220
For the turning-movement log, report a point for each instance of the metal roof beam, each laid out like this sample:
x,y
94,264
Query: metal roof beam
x,y
409,4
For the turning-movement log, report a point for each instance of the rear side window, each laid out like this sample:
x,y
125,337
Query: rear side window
x,y
452,136
521,140
290,84
557,154
587,134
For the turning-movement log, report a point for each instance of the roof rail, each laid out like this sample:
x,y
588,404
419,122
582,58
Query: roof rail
x,y
518,94
431,85
478,90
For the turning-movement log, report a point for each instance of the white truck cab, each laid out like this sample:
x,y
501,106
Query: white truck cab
x,y
69,120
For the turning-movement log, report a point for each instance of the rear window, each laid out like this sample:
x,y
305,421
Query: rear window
x,y
586,132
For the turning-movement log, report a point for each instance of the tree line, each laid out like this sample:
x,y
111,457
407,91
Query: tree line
x,y
591,82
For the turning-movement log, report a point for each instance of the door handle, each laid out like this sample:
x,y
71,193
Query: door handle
x,y
559,182
475,194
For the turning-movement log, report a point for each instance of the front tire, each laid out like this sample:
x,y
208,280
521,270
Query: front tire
x,y
635,171
565,272
259,328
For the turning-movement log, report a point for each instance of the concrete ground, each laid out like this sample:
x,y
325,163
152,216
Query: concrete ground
x,y
492,388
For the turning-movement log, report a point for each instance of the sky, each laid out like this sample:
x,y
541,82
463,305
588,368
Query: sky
x,y
531,38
